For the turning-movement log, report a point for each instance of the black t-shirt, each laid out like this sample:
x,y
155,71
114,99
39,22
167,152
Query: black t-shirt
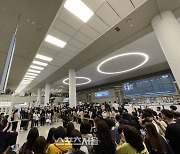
x,y
173,136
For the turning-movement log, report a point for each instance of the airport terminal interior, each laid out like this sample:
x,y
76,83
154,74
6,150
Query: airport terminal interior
x,y
89,76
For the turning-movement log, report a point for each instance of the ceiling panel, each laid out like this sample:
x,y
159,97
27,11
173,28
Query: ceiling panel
x,y
70,19
77,43
52,48
122,7
65,28
72,48
111,17
67,52
58,34
58,62
138,2
83,38
96,23
48,53
64,56
90,32
45,49
93,4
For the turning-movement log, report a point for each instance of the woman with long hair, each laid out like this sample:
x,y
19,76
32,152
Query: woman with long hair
x,y
39,146
105,145
133,142
50,138
70,128
155,143
31,137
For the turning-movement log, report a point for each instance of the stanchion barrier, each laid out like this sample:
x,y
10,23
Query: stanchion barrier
x,y
20,120
84,118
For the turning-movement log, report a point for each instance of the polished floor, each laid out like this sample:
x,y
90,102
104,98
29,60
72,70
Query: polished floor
x,y
43,131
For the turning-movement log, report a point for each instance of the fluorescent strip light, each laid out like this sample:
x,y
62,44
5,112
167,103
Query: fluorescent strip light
x,y
36,67
28,76
25,82
55,41
39,63
34,71
79,9
33,74
27,79
43,57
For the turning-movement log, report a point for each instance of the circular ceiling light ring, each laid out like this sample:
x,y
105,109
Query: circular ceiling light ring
x,y
79,84
146,58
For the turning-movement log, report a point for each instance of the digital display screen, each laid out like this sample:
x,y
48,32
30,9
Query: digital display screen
x,y
102,94
150,86
65,99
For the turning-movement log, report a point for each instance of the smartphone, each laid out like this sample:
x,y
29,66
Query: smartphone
x,y
13,149
143,132
15,146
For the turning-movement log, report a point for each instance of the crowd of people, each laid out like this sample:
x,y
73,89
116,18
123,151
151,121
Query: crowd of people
x,y
104,129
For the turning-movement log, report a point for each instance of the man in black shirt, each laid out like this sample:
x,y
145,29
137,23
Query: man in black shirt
x,y
172,133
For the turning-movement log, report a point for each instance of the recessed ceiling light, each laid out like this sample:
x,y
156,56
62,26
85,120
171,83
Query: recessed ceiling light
x,y
55,41
39,63
88,81
79,9
29,76
34,71
43,57
146,57
33,74
36,67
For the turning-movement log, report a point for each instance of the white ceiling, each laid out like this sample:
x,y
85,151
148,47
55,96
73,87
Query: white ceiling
x,y
79,35
147,44
89,43
109,41
35,20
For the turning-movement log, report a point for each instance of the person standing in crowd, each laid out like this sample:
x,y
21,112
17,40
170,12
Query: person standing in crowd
x,y
26,117
61,145
69,129
177,117
31,137
50,138
15,118
39,146
105,145
52,116
173,108
6,138
42,117
172,133
156,144
35,118
131,141
77,144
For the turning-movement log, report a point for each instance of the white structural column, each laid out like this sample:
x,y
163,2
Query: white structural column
x,y
47,93
167,30
72,88
39,96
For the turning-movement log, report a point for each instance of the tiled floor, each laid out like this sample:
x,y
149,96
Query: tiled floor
x,y
43,131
